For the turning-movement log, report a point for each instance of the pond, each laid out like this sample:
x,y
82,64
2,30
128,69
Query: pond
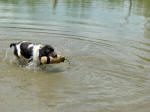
x,y
106,41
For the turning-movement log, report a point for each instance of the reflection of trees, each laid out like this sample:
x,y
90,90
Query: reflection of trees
x,y
130,6
84,8
10,1
147,28
54,4
144,6
140,7
76,8
30,3
129,11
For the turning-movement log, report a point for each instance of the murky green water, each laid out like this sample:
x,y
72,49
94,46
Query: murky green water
x,y
107,42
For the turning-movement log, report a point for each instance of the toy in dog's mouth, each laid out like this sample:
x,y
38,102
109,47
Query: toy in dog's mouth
x,y
52,60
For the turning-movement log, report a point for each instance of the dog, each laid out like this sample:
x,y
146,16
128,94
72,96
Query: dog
x,y
32,52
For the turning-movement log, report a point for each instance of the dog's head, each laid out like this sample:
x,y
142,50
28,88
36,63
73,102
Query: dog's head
x,y
48,50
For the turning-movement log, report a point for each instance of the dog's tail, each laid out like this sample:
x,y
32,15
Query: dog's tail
x,y
12,44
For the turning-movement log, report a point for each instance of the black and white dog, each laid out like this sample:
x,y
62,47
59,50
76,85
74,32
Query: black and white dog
x,y
32,52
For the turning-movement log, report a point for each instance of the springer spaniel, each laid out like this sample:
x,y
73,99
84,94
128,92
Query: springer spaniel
x,y
32,52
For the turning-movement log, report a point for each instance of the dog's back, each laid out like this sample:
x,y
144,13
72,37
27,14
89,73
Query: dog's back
x,y
24,49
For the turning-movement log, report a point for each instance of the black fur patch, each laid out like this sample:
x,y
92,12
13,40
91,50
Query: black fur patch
x,y
47,50
48,59
25,51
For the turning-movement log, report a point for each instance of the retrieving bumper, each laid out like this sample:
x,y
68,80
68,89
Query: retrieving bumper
x,y
51,60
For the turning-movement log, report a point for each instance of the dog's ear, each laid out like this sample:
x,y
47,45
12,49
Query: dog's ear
x,y
49,48
46,50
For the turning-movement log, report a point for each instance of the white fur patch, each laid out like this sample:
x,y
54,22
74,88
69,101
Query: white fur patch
x,y
36,49
18,50
31,45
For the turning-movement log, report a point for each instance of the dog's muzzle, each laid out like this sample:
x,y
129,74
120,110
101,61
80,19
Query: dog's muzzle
x,y
54,55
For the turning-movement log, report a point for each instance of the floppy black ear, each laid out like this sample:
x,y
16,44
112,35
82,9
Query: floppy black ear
x,y
41,53
45,50
48,47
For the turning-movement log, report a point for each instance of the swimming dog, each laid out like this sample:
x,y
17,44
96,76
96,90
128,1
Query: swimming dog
x,y
32,52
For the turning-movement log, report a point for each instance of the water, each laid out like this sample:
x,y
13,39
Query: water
x,y
106,41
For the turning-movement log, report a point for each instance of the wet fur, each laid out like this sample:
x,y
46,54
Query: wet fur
x,y
32,52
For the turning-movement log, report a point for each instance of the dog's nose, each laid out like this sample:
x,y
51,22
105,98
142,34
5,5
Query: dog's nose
x,y
54,55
